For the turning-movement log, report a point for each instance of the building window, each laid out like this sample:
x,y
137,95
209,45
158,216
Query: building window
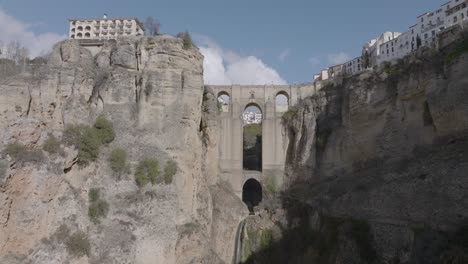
x,y
433,33
455,19
425,36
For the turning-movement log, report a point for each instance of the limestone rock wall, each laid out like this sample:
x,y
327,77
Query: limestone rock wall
x,y
387,149
151,89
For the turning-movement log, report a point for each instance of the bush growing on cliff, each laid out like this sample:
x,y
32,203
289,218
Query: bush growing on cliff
x,y
3,169
98,207
51,145
169,171
104,130
186,40
87,141
146,172
289,115
461,48
21,154
78,245
118,162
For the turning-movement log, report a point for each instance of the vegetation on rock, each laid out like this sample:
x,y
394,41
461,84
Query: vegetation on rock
x,y
21,154
3,169
78,245
98,207
104,129
146,172
88,139
51,145
170,170
118,162
460,48
186,40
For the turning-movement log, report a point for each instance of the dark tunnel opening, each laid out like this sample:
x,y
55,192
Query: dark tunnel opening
x,y
252,194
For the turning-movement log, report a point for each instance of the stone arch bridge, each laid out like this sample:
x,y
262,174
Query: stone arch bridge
x,y
274,139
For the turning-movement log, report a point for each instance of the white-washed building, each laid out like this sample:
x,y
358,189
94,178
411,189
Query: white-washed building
x,y
354,66
374,47
105,28
455,11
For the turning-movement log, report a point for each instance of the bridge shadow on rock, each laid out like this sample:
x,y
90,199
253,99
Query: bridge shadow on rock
x,y
308,228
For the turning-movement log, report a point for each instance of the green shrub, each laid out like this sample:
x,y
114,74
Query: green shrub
x,y
270,185
266,238
15,150
118,161
186,40
51,145
98,208
21,154
169,171
87,141
62,233
78,245
460,48
104,129
146,171
3,169
88,150
93,195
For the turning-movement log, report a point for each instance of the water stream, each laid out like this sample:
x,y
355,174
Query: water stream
x,y
237,259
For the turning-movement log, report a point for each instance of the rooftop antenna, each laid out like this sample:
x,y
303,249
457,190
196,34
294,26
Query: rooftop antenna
x,y
105,16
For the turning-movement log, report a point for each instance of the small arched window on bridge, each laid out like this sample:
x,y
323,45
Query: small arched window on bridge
x,y
282,102
224,101
252,194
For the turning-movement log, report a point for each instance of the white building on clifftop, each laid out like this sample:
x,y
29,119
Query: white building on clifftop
x,y
105,28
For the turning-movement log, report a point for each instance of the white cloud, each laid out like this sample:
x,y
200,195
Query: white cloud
x,y
12,29
228,67
338,58
284,55
314,61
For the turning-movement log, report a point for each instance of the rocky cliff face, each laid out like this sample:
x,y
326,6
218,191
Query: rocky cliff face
x,y
151,89
377,167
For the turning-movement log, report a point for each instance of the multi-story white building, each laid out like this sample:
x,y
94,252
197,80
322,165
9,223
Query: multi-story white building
x,y
391,46
374,47
455,11
354,66
105,28
252,118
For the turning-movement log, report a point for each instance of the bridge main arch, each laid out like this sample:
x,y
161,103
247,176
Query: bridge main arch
x,y
274,139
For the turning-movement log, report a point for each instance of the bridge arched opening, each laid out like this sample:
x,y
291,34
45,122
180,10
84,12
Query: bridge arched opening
x,y
282,101
224,101
252,138
252,194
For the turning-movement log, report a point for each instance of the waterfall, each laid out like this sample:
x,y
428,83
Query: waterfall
x,y
238,246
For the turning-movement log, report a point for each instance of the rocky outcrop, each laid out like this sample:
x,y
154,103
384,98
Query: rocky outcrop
x,y
151,89
377,166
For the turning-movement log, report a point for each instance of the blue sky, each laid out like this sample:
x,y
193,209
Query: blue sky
x,y
283,41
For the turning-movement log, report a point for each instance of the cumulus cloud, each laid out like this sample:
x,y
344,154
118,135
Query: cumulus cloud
x,y
224,67
12,29
284,55
338,58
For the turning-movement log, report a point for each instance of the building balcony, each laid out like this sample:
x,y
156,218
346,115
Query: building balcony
x,y
432,26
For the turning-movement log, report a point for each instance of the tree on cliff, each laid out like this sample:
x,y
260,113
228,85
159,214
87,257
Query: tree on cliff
x,y
365,59
152,26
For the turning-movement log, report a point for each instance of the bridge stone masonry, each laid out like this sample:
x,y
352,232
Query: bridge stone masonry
x,y
274,139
